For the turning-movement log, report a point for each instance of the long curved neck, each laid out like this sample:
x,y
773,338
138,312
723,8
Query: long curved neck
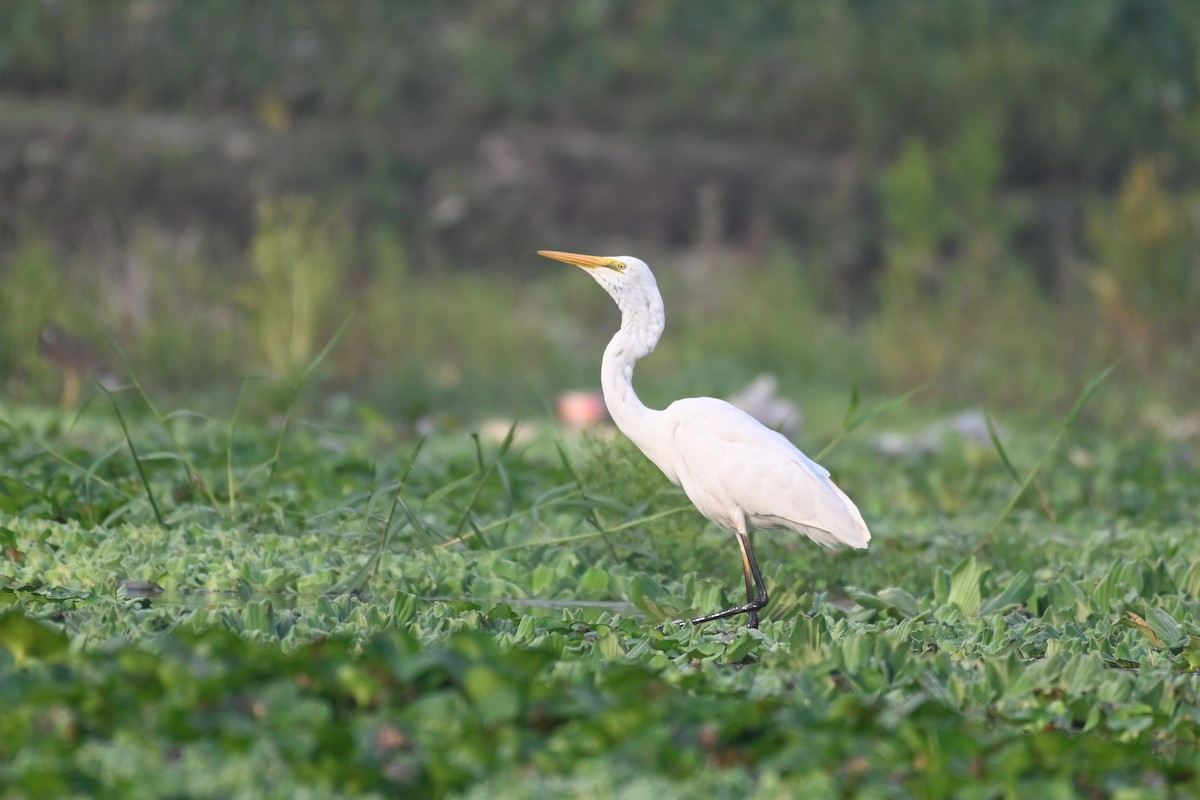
x,y
642,322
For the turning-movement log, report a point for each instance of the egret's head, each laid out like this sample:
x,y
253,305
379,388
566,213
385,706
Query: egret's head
x,y
632,285
624,277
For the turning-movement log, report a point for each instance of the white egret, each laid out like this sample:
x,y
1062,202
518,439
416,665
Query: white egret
x,y
739,474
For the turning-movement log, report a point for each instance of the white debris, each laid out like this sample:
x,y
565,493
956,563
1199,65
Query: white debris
x,y
968,426
760,401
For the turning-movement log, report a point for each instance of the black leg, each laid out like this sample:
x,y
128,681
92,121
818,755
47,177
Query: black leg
x,y
751,595
756,590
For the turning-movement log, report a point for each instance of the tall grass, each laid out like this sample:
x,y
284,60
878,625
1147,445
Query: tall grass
x,y
954,311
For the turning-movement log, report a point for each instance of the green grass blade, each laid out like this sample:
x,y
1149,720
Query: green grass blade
x,y
579,537
191,470
851,409
312,365
230,482
297,387
440,494
136,460
852,422
412,459
1068,423
509,437
386,535
485,472
996,443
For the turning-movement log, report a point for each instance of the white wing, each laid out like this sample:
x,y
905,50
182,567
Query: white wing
x,y
728,462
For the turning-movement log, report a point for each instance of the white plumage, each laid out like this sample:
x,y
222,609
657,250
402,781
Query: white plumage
x,y
738,473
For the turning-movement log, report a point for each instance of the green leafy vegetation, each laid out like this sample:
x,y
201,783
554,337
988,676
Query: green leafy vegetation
x,y
454,618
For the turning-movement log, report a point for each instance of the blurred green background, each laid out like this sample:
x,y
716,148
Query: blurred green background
x,y
995,198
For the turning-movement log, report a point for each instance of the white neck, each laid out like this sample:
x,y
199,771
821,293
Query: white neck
x,y
642,321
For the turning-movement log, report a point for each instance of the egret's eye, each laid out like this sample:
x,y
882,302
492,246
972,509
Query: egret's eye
x,y
619,266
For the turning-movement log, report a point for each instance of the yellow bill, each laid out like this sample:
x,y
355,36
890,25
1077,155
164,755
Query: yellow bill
x,y
587,262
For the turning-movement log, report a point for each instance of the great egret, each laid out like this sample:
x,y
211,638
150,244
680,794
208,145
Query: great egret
x,y
738,473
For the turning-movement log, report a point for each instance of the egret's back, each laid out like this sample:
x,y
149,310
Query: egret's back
x,y
729,463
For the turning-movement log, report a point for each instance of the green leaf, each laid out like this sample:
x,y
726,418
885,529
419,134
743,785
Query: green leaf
x,y
542,581
610,647
1191,580
810,642
650,598
495,696
1016,593
594,581
260,617
27,639
1169,631
900,600
1145,628
746,643
941,587
966,586
1116,584
1082,673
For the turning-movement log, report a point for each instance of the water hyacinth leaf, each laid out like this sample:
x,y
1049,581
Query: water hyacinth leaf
x,y
1066,599
1159,695
810,640
8,540
785,603
901,600
966,586
1141,625
1156,579
746,643
853,652
1190,584
609,645
358,683
543,580
27,639
1169,631
259,617
1191,653
1116,585
595,581
495,696
652,600
1082,673
941,587
1016,592
707,594
403,608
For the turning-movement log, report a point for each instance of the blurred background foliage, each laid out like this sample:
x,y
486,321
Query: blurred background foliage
x,y
995,197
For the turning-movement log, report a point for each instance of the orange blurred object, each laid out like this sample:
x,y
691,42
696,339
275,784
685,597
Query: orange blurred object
x,y
579,408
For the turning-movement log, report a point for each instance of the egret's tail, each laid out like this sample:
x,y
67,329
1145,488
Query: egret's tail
x,y
858,536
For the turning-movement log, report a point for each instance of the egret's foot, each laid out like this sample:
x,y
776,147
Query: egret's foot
x,y
751,620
